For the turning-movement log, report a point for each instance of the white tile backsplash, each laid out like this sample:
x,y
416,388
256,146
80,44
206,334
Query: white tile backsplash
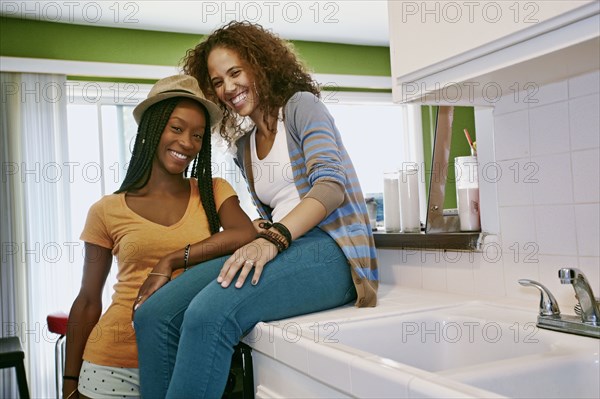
x,y
433,271
587,218
515,269
488,271
550,177
517,224
584,122
391,273
459,271
511,135
411,271
548,201
555,229
511,103
545,122
551,93
586,182
514,183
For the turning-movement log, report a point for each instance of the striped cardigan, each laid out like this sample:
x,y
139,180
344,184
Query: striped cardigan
x,y
318,154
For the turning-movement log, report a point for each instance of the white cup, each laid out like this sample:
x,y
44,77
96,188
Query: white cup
x,y
391,202
467,193
409,199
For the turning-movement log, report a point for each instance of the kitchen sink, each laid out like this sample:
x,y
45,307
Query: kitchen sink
x,y
492,347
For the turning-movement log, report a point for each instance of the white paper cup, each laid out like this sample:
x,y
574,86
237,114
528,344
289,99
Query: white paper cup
x,y
467,193
409,199
391,202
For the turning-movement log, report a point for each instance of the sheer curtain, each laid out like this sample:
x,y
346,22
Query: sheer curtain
x,y
40,259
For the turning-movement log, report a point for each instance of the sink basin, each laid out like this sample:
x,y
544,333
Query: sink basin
x,y
489,346
447,338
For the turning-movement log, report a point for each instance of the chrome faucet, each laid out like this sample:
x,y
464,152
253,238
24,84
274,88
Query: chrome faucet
x,y
549,316
548,304
590,312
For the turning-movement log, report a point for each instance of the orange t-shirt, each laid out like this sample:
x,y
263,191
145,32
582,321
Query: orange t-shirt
x,y
138,244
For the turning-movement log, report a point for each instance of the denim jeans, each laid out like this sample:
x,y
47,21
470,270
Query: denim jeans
x,y
186,331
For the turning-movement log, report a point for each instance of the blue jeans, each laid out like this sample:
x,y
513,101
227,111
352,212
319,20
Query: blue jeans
x,y
186,331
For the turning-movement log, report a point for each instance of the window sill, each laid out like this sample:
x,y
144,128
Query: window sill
x,y
467,241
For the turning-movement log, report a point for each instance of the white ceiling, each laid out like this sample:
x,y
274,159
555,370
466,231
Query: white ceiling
x,y
341,21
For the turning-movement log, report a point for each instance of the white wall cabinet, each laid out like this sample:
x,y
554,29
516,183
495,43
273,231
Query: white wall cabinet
x,y
473,52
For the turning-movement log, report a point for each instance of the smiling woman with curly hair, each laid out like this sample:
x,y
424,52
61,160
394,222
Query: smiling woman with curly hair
x,y
279,74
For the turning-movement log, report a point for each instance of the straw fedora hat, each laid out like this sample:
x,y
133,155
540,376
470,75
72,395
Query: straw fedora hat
x,y
177,86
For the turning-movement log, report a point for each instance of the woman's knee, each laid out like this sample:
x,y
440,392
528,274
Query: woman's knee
x,y
146,315
207,320
164,306
199,316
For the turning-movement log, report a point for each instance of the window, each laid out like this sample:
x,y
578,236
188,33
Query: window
x,y
374,132
100,129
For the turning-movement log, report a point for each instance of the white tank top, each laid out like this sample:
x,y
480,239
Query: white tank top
x,y
273,176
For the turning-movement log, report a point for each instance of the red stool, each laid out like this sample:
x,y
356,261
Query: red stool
x,y
57,323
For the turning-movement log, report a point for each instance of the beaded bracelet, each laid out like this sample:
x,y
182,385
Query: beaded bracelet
x,y
70,377
280,227
186,257
279,237
275,239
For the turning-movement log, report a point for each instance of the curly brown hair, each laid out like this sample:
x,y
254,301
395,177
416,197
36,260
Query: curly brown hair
x,y
278,71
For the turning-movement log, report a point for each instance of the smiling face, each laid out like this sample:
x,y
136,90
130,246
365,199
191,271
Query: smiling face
x,y
233,82
181,139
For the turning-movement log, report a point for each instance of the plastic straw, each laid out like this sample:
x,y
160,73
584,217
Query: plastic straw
x,y
473,150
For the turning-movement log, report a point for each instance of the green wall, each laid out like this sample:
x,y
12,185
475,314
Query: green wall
x,y
38,39
464,118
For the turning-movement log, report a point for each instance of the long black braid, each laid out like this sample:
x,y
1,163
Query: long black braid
x,y
153,123
202,170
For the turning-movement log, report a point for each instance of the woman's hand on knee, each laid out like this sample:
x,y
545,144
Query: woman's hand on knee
x,y
150,286
254,255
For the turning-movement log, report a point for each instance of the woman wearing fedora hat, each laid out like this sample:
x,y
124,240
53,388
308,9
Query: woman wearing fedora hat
x,y
314,249
157,224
